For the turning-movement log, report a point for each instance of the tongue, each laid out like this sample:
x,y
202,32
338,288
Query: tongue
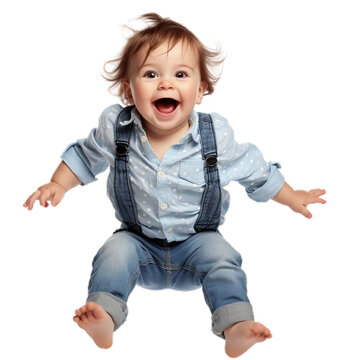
x,y
166,105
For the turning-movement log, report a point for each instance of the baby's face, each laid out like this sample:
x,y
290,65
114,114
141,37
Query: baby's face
x,y
166,87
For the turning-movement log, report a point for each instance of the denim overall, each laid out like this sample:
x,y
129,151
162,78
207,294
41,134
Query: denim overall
x,y
205,259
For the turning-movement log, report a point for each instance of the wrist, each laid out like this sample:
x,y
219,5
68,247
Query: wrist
x,y
286,195
64,177
58,184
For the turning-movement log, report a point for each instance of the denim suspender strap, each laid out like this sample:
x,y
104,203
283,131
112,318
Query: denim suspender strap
x,y
210,211
123,192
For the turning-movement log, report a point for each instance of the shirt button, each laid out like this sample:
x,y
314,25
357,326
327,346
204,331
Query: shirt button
x,y
161,174
143,138
163,206
169,229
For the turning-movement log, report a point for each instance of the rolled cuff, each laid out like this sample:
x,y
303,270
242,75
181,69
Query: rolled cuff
x,y
230,314
114,306
74,161
271,187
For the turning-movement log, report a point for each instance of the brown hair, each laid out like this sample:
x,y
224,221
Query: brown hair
x,y
159,31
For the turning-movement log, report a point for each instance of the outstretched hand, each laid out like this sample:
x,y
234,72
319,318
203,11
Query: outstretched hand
x,y
298,200
301,199
62,181
52,192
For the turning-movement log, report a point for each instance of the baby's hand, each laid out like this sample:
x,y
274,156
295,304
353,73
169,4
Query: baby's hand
x,y
301,199
49,192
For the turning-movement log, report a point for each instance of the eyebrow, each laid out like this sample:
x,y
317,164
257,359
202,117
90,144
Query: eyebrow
x,y
187,66
178,66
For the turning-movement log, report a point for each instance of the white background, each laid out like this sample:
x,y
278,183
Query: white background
x,y
290,84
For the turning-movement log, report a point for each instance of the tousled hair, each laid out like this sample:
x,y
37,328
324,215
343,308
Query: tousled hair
x,y
162,30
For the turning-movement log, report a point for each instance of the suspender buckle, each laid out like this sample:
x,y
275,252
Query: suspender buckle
x,y
121,149
135,229
211,160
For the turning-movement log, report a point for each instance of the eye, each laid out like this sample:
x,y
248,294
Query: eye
x,y
181,74
151,74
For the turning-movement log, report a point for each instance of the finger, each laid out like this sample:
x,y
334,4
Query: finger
x,y
315,197
56,199
304,211
32,198
27,202
45,195
315,201
317,192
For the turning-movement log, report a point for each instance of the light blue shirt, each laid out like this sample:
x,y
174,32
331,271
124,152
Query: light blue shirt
x,y
168,193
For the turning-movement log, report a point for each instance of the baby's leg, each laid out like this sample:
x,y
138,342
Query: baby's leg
x,y
241,336
115,271
224,279
97,323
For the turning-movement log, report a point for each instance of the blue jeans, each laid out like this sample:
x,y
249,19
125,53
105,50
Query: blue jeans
x,y
205,259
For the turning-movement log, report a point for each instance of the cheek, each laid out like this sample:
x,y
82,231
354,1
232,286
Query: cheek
x,y
140,93
191,95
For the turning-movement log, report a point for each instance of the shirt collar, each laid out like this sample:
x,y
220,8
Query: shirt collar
x,y
193,131
194,126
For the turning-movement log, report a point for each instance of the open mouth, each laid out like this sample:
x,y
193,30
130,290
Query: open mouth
x,y
166,105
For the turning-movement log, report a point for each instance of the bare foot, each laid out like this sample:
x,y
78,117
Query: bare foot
x,y
241,336
97,323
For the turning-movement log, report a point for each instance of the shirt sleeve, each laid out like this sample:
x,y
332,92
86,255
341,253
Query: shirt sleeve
x,y
91,156
245,164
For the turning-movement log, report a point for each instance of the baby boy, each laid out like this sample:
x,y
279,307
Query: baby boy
x,y
168,168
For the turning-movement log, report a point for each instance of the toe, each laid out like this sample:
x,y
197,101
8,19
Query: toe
x,y
267,332
90,315
83,309
91,306
96,310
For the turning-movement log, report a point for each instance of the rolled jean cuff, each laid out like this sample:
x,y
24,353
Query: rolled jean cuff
x,y
114,306
227,315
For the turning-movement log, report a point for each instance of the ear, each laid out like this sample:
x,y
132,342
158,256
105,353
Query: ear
x,y
126,90
202,88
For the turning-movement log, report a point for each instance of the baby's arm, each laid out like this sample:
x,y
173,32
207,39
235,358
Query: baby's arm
x,y
62,181
298,200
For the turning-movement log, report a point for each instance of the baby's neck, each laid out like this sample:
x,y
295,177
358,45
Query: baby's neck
x,y
161,141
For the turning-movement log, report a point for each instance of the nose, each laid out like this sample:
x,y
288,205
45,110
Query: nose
x,y
165,84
